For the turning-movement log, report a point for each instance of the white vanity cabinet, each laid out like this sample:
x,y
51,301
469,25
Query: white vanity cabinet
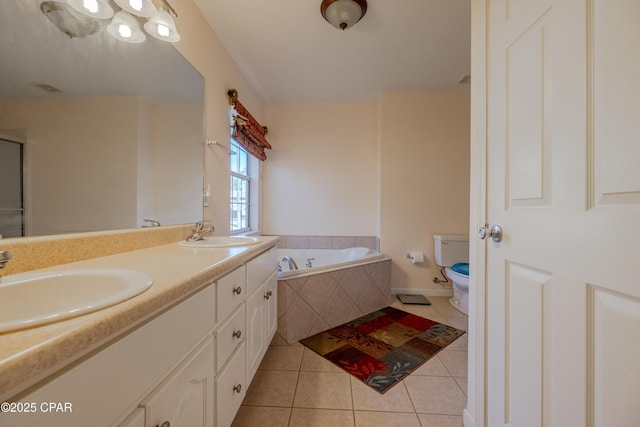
x,y
107,388
189,367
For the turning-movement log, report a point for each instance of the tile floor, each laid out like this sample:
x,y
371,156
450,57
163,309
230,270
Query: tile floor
x,y
296,387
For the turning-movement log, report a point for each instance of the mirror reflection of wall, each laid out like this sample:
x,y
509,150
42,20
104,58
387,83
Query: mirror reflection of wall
x,y
121,142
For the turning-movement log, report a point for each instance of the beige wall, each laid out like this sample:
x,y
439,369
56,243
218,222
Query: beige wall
x,y
424,178
397,168
321,178
201,47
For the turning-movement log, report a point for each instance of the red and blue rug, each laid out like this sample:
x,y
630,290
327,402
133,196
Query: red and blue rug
x,y
383,347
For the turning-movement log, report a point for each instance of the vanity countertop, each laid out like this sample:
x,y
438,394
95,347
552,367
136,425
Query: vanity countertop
x,y
31,355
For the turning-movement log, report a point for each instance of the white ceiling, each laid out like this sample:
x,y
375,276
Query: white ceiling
x,y
289,53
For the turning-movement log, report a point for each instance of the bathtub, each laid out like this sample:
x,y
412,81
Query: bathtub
x,y
341,285
312,261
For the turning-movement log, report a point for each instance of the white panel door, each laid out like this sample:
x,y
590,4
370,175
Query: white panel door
x,y
563,182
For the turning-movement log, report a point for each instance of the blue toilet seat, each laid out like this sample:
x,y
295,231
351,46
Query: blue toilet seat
x,y
461,268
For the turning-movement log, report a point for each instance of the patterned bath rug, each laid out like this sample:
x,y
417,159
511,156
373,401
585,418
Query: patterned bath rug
x,y
383,347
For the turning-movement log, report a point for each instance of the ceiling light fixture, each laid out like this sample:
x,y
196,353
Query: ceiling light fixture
x,y
125,27
95,8
343,14
143,8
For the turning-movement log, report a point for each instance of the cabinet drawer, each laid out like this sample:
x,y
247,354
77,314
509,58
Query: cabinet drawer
x,y
231,292
230,335
231,388
260,268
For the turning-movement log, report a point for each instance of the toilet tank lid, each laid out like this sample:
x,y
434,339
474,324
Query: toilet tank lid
x,y
455,237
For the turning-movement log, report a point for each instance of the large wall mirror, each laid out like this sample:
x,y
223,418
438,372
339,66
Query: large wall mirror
x,y
95,133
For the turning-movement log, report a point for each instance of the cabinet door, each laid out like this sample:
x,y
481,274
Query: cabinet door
x,y
271,317
135,419
256,317
185,397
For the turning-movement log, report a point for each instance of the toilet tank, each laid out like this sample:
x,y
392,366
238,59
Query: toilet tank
x,y
451,249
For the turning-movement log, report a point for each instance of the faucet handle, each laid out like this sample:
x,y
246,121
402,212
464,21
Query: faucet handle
x,y
204,225
5,256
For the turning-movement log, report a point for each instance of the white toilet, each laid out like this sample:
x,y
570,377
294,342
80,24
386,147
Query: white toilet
x,y
452,253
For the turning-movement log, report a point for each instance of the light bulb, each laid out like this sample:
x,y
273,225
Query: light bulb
x,y
163,30
124,31
91,5
136,4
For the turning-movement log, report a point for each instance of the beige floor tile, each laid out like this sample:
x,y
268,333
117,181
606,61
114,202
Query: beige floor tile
x,y
430,420
327,390
284,358
321,418
436,395
272,388
444,307
279,340
263,416
311,361
386,419
457,322
455,362
433,367
461,344
396,399
427,311
462,381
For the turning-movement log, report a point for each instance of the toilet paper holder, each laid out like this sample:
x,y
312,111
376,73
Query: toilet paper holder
x,y
415,257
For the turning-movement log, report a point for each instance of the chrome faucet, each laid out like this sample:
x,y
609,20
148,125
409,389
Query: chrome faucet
x,y
200,229
5,256
291,262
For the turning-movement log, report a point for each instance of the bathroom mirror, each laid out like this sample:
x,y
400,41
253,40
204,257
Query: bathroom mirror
x,y
108,133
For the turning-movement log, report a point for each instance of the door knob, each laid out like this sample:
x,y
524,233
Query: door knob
x,y
495,232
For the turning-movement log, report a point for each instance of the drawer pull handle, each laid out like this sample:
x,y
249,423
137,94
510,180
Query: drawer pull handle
x,y
237,334
268,295
237,388
237,290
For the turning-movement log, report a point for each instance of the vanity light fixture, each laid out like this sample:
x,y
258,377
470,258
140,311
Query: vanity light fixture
x,y
343,14
95,8
125,27
143,8
125,24
162,26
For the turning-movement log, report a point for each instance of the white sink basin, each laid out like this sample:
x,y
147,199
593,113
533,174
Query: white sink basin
x,y
31,299
222,242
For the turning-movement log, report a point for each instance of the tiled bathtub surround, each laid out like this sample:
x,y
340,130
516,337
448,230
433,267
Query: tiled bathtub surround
x,y
311,304
328,242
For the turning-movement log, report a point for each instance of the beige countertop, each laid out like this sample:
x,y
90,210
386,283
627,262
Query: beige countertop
x,y
31,355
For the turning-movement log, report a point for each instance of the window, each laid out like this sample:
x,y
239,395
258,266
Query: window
x,y
240,189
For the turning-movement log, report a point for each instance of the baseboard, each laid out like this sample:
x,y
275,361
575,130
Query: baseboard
x,y
424,292
467,420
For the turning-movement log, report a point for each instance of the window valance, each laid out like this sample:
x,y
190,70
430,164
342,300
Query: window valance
x,y
246,130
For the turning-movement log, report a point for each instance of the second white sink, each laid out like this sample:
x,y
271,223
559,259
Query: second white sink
x,y
31,299
222,242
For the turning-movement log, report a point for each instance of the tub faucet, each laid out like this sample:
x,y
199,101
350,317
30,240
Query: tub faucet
x,y
5,256
200,229
291,262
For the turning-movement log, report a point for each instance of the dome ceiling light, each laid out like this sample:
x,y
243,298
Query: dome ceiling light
x,y
343,14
